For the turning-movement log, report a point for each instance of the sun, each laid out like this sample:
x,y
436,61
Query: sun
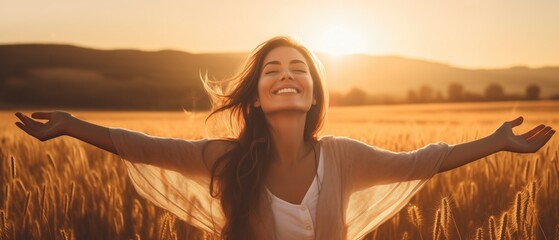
x,y
339,40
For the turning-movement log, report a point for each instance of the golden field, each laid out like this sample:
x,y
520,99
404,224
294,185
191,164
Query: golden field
x,y
66,189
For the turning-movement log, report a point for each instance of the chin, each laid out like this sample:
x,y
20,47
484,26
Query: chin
x,y
292,108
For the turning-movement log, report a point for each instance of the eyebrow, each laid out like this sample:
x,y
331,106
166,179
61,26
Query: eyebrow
x,y
278,62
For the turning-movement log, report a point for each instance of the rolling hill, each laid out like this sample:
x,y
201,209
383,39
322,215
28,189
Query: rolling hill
x,y
66,76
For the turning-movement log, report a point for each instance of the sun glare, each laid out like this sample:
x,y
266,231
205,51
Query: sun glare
x,y
339,40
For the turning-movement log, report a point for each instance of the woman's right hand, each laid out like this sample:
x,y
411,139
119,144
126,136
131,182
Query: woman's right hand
x,y
63,123
54,127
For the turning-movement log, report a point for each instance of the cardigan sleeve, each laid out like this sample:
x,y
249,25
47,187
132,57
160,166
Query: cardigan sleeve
x,y
380,182
171,174
371,165
170,153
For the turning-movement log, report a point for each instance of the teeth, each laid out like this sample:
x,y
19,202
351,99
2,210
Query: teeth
x,y
286,90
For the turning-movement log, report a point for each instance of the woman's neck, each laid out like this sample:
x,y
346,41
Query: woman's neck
x,y
287,132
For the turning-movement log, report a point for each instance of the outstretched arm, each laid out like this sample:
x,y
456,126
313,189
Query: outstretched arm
x,y
63,123
503,139
185,156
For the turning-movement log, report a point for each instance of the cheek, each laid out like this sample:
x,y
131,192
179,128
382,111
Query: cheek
x,y
268,81
264,85
261,86
310,85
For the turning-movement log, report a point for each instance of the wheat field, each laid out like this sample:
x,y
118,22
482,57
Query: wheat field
x,y
66,189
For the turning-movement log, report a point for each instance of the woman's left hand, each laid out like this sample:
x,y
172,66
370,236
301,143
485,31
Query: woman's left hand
x,y
528,142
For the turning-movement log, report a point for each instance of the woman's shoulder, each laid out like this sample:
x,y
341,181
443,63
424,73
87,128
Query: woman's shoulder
x,y
342,144
219,145
331,139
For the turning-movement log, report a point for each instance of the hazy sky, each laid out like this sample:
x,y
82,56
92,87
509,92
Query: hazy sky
x,y
467,33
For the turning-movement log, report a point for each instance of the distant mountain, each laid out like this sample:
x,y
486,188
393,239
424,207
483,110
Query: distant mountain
x,y
74,77
45,75
395,75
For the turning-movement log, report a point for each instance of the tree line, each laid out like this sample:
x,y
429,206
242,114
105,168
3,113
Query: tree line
x,y
455,92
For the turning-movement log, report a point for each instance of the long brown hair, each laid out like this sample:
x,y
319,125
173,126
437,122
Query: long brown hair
x,y
237,177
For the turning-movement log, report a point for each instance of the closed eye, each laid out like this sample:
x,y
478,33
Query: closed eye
x,y
270,72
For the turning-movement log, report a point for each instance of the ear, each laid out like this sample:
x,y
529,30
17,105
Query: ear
x,y
257,103
314,101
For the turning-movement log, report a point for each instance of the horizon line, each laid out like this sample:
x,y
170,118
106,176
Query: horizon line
x,y
512,66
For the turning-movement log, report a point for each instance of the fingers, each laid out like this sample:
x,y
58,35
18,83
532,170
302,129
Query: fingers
x,y
41,115
544,131
541,140
25,129
36,134
29,123
531,133
516,121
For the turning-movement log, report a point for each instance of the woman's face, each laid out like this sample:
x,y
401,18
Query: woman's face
x,y
285,82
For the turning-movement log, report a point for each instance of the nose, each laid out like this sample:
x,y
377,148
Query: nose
x,y
286,75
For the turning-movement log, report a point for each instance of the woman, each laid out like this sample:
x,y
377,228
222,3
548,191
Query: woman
x,y
276,179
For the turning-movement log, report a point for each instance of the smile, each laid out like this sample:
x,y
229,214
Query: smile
x,y
286,90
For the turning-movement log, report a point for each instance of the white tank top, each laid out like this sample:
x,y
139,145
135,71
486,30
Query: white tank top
x,y
293,221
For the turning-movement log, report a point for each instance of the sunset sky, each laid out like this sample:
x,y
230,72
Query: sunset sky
x,y
468,33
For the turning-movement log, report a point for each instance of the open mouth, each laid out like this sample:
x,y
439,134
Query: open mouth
x,y
286,90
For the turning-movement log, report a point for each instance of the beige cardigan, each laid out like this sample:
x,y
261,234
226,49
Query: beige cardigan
x,y
363,185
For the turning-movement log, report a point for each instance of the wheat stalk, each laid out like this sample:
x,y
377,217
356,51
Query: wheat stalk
x,y
21,186
533,188
64,234
405,236
518,211
65,205
163,227
526,171
82,208
72,190
51,160
492,230
171,225
414,216
43,200
3,219
548,183
504,223
37,227
445,217
26,208
479,233
7,199
437,225
535,169
13,167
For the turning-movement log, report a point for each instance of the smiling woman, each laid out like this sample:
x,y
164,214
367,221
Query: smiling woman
x,y
294,91
278,178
